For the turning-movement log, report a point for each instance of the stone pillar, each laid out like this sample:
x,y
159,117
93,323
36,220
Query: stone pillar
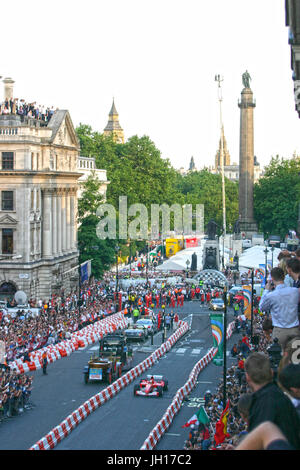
x,y
72,220
246,163
63,223
68,220
54,223
58,223
47,223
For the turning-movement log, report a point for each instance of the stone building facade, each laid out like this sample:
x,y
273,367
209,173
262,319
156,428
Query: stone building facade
x,y
87,167
38,196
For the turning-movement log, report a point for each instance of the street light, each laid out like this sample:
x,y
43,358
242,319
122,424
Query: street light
x,y
129,244
266,251
147,262
272,249
219,79
187,266
225,347
252,295
164,333
117,249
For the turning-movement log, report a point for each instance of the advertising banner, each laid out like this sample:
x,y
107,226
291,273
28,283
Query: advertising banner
x,y
217,326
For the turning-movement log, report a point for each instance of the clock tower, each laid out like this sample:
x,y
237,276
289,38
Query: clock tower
x,y
113,127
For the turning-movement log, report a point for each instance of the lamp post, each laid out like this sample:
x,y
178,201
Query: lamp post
x,y
272,250
117,248
252,294
266,261
225,348
219,79
129,245
147,262
164,333
187,267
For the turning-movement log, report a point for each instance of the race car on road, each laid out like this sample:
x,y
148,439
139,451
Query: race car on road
x,y
152,386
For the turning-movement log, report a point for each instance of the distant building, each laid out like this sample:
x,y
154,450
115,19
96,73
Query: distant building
x,y
113,127
87,167
231,171
192,166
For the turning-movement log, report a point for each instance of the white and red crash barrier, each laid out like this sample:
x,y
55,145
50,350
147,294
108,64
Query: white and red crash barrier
x,y
71,422
80,339
163,425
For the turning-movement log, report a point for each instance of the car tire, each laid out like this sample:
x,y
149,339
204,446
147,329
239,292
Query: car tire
x,y
166,383
160,391
86,377
109,377
135,389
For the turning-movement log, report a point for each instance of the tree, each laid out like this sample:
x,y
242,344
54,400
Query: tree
x,y
277,196
203,187
101,252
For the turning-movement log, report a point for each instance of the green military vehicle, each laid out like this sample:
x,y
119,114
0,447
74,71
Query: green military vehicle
x,y
114,357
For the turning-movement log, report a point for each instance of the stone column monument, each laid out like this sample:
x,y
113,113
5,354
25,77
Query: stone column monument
x,y
246,163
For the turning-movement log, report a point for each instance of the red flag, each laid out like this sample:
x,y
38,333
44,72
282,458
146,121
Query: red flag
x,y
221,426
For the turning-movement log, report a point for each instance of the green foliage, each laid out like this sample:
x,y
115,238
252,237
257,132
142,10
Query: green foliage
x,y
90,198
203,187
102,252
277,195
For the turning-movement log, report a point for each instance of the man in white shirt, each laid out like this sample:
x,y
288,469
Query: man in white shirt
x,y
282,303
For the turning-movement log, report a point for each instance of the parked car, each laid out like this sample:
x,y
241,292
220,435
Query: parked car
x,y
147,323
246,243
136,334
217,304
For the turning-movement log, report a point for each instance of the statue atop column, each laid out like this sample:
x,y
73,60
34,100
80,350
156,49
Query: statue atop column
x,y
236,228
246,79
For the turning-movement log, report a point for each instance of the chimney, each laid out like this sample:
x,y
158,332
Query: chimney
x,y
8,88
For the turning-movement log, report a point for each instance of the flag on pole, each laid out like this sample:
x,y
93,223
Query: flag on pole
x,y
262,268
260,272
221,426
217,326
199,417
85,270
247,294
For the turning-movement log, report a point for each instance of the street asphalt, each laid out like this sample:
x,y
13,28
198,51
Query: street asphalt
x,y
124,422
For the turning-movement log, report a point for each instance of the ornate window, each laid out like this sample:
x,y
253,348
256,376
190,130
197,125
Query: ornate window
x,y
7,241
7,200
7,160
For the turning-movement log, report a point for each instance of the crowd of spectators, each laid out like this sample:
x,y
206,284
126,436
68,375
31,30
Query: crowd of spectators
x,y
57,319
263,394
15,391
61,315
23,109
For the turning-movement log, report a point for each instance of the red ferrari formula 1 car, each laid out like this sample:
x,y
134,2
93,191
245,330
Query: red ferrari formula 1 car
x,y
152,386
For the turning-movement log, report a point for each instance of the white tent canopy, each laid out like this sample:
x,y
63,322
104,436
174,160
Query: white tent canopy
x,y
178,261
253,257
